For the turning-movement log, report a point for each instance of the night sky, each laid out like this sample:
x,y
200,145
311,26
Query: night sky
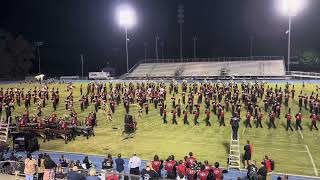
x,y
223,27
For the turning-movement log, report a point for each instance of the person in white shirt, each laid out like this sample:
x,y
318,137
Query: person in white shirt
x,y
134,164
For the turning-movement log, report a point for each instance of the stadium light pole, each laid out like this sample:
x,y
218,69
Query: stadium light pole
x,y
38,44
127,19
157,57
180,21
194,46
291,8
82,60
251,46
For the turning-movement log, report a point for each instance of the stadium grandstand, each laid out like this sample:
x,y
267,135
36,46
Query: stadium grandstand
x,y
265,67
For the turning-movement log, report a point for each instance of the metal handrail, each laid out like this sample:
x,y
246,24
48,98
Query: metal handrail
x,y
217,59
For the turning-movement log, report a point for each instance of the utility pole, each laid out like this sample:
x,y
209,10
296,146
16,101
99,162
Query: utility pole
x,y
82,60
251,46
180,21
145,44
38,44
194,46
157,57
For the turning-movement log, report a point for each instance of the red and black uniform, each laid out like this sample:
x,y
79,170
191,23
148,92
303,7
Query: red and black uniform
x,y
217,173
174,117
157,165
64,125
191,161
314,119
196,116
191,174
259,120
248,119
165,117
298,121
272,117
181,169
170,167
203,174
208,118
221,120
185,117
288,117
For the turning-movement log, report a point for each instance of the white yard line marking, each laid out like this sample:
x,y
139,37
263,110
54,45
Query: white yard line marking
x,y
314,166
301,134
243,130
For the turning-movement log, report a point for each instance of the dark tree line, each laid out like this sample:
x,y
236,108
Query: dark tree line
x,y
16,55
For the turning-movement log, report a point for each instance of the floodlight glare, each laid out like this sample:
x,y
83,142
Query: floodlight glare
x,y
126,16
292,7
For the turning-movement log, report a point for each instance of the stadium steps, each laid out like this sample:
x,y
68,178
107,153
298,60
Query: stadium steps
x,y
234,155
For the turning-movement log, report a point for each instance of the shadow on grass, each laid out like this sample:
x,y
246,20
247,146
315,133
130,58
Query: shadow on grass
x,y
226,146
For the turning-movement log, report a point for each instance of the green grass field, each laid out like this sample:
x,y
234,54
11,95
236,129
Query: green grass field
x,y
288,149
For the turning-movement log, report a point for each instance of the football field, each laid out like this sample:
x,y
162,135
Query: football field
x,y
296,152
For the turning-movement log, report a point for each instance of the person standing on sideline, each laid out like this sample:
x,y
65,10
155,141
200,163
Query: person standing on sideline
x,y
134,164
120,166
30,167
247,153
235,126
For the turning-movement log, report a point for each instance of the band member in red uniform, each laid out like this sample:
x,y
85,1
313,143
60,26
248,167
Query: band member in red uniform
x,y
170,167
74,121
208,117
64,124
157,164
248,119
174,117
221,120
165,117
181,168
298,121
288,117
217,171
185,117
191,161
191,173
259,119
40,124
208,166
196,117
314,119
272,117
203,173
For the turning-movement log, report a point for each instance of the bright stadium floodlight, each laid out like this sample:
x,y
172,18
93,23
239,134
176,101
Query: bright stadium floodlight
x,y
127,18
291,8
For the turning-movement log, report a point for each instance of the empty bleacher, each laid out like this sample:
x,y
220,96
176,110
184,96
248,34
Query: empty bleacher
x,y
235,68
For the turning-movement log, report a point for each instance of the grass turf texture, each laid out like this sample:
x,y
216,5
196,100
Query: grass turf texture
x,y
288,149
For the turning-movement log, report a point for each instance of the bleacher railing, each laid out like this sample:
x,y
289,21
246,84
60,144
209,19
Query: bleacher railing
x,y
302,74
218,59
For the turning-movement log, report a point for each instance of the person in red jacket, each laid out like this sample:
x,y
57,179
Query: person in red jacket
x,y
181,168
191,173
314,119
170,167
191,161
298,121
208,117
288,117
196,116
272,117
208,166
203,173
157,164
259,119
267,163
248,119
221,120
217,173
